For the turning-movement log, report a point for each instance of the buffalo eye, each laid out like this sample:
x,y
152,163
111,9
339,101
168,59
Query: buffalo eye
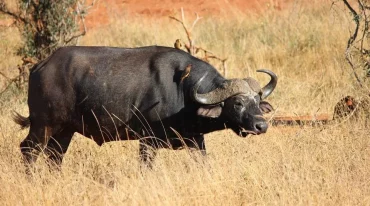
x,y
258,97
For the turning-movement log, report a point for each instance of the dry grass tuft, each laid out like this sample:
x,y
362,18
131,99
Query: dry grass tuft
x,y
324,165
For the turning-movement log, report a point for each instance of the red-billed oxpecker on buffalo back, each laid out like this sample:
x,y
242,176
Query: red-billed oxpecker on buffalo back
x,y
151,94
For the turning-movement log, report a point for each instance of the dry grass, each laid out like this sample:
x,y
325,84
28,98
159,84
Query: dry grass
x,y
325,165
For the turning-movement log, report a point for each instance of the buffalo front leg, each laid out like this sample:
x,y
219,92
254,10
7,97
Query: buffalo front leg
x,y
197,144
197,148
147,151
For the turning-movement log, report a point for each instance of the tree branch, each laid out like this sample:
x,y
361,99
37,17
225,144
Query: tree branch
x,y
10,80
352,38
5,10
80,10
190,47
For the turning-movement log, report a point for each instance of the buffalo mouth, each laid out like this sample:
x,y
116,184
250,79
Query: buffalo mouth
x,y
242,132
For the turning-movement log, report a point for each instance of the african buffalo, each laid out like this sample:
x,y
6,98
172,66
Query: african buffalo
x,y
161,96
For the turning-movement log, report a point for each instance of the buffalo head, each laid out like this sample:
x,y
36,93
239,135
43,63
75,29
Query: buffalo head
x,y
239,103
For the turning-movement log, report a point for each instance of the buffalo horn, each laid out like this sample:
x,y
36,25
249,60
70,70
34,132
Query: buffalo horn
x,y
267,90
227,89
233,87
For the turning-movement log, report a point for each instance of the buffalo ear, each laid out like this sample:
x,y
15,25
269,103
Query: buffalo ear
x,y
266,107
210,111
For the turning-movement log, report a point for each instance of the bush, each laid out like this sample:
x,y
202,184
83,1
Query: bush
x,y
46,25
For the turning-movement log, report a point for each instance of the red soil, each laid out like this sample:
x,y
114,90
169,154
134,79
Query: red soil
x,y
104,11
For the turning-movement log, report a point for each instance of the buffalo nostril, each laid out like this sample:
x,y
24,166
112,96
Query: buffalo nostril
x,y
261,127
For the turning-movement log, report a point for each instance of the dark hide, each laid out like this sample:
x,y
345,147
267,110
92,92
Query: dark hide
x,y
109,94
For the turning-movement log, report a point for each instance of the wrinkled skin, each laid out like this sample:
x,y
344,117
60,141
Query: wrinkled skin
x,y
245,115
242,114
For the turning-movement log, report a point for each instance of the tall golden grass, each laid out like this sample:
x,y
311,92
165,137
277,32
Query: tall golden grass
x,y
323,165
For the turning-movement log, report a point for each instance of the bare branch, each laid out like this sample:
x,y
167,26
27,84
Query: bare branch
x,y
6,88
352,38
188,35
80,34
357,21
55,24
7,78
5,10
29,60
195,21
190,46
81,10
365,30
182,14
10,80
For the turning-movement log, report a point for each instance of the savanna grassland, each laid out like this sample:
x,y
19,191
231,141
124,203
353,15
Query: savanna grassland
x,y
302,165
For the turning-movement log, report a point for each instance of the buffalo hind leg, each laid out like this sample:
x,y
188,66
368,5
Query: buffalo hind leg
x,y
34,143
147,151
58,145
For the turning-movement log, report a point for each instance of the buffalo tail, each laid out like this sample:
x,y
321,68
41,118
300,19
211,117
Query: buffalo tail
x,y
24,122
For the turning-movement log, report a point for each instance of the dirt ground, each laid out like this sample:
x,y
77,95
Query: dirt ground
x,y
105,11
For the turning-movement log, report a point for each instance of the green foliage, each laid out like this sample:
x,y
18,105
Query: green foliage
x,y
46,25
49,25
